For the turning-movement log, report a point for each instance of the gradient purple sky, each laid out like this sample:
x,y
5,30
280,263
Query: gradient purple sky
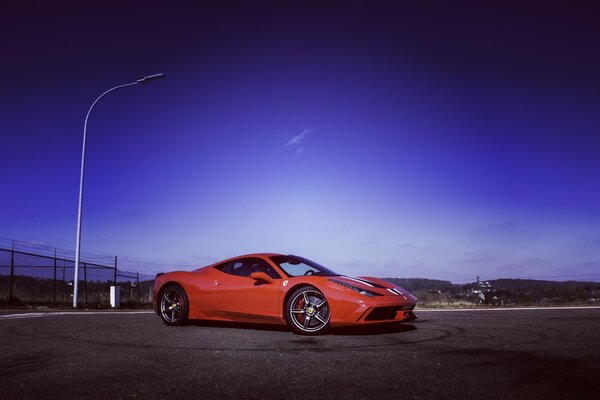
x,y
414,139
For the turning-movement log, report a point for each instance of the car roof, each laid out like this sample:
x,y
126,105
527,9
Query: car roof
x,y
260,255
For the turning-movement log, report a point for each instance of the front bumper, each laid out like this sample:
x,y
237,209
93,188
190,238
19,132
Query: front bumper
x,y
373,312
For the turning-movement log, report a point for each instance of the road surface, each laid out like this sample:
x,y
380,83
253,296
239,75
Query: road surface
x,y
511,354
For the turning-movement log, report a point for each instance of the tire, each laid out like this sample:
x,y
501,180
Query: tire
x,y
173,305
307,311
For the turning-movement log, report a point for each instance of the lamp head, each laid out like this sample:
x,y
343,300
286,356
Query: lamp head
x,y
149,78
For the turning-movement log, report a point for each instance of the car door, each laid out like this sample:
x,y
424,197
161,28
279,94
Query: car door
x,y
241,298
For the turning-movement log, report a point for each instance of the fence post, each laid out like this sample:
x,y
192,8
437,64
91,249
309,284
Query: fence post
x,y
115,278
63,280
85,282
54,281
137,274
12,272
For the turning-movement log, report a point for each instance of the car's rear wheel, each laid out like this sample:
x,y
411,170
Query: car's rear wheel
x,y
173,305
307,311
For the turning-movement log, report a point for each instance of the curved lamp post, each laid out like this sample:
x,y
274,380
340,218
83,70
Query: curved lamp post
x,y
144,79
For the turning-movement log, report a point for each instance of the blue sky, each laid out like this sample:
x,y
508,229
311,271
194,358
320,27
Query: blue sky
x,y
387,139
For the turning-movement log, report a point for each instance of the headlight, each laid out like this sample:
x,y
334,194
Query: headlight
x,y
356,289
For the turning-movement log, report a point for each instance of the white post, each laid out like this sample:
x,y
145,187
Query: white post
x,y
115,296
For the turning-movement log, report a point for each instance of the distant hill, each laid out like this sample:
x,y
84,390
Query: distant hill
x,y
414,284
498,284
500,292
514,284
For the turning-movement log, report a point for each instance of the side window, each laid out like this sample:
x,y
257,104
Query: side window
x,y
221,266
260,265
246,266
237,267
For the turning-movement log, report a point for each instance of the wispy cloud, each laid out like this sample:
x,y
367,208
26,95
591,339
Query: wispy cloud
x,y
297,140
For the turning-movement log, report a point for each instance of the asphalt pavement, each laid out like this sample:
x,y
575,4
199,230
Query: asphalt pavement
x,y
511,354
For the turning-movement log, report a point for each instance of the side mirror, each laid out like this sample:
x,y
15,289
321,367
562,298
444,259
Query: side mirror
x,y
261,276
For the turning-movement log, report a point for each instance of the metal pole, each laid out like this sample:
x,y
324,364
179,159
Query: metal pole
x,y
54,281
12,272
145,79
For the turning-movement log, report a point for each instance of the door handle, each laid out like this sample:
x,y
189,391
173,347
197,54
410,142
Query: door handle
x,y
217,283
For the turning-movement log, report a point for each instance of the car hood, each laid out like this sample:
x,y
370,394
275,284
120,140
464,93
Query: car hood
x,y
377,285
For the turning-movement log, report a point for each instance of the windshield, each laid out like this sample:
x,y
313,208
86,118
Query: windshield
x,y
298,266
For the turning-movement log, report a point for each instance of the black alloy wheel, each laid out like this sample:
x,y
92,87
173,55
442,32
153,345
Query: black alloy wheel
x,y
173,305
307,311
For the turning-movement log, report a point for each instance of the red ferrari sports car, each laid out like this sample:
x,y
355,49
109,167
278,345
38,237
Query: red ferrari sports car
x,y
279,289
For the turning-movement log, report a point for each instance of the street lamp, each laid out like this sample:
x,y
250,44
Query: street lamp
x,y
144,79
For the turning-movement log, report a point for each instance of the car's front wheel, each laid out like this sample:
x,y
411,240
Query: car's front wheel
x,y
173,305
307,311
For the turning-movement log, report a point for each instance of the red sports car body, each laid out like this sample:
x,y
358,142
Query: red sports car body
x,y
279,289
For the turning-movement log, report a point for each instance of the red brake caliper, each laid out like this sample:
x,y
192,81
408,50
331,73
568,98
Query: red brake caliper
x,y
302,304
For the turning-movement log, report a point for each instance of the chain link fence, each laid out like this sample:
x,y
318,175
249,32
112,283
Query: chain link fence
x,y
40,277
